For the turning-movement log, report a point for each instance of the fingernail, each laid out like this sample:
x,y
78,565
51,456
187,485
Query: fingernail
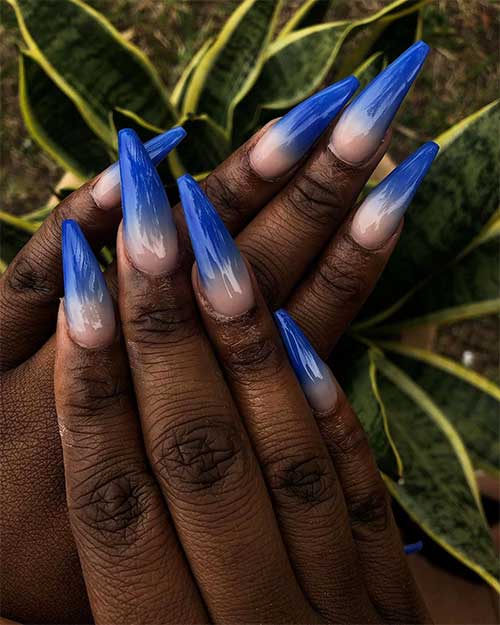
x,y
413,548
87,303
223,274
286,142
379,215
149,230
106,190
365,121
313,374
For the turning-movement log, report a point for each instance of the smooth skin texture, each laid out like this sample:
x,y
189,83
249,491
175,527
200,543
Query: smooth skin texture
x,y
261,516
306,210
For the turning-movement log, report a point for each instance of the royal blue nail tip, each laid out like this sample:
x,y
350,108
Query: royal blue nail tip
x,y
291,137
158,147
87,303
306,363
221,268
149,228
413,548
367,118
313,374
378,217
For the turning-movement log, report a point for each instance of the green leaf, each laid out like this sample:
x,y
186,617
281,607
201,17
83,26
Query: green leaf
x,y
231,66
56,124
298,64
91,63
367,71
439,490
204,147
14,233
180,89
466,289
311,12
456,199
354,368
469,400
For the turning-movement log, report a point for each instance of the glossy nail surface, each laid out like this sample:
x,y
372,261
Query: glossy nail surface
x,y
106,190
290,138
87,303
223,274
313,374
365,121
148,225
413,548
379,215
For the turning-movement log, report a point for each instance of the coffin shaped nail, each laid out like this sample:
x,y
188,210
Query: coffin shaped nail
x,y
148,225
365,121
286,142
223,274
87,303
378,217
106,191
313,374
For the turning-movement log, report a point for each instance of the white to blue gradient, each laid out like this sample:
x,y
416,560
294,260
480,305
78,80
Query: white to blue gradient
x,y
87,304
313,374
221,268
286,142
365,121
148,225
378,217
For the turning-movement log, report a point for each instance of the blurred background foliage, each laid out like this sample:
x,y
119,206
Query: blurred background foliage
x,y
420,368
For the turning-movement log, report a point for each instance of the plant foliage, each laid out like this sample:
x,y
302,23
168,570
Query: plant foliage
x,y
431,421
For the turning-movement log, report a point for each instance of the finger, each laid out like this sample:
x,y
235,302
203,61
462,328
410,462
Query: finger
x,y
33,281
337,287
196,443
300,477
134,568
387,577
289,233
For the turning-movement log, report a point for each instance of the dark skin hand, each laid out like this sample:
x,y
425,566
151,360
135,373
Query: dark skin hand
x,y
212,492
295,233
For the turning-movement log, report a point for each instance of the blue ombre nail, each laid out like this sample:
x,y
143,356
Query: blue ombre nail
x,y
379,215
286,142
413,548
223,274
313,374
148,225
87,303
365,121
106,191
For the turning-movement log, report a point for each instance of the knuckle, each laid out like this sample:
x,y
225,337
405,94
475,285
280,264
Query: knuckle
x,y
220,191
153,322
27,275
94,389
267,266
315,198
369,508
302,480
112,508
348,437
253,354
201,455
342,276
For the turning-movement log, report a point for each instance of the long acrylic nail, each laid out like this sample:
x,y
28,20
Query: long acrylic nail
x,y
87,303
413,548
365,121
286,142
106,190
149,230
313,374
223,274
379,215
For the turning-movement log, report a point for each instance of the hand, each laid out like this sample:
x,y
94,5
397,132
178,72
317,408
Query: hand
x,y
265,525
299,213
